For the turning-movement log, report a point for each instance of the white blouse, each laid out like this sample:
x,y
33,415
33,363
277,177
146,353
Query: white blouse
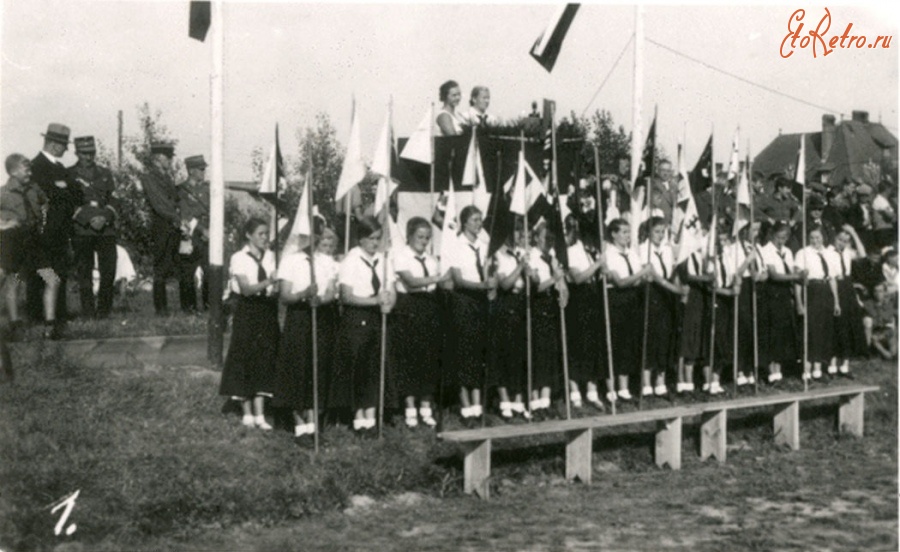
x,y
782,260
844,270
356,272
816,262
295,269
661,258
579,260
465,255
243,264
407,260
539,265
617,264
506,265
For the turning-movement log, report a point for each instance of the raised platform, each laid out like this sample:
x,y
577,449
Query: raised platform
x,y
579,437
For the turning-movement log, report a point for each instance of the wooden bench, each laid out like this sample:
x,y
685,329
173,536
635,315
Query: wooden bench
x,y
578,432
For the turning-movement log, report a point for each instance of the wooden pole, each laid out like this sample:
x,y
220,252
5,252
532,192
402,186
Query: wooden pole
x,y
216,189
713,228
637,94
753,279
119,149
312,279
384,243
562,311
648,184
528,358
431,176
607,330
805,288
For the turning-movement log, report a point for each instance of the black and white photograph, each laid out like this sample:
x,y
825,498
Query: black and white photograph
x,y
448,276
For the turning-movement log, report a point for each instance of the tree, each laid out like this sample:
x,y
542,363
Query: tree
x,y
319,148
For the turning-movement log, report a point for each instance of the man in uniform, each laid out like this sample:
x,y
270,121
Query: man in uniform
x,y
95,231
165,219
193,251
64,195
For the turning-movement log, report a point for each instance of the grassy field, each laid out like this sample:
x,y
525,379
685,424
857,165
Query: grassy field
x,y
159,466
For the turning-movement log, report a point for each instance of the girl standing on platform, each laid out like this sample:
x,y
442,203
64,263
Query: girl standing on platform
x,y
248,374
584,320
664,294
509,327
849,334
295,377
417,334
726,289
778,302
472,292
626,313
448,120
694,345
822,301
746,249
548,294
365,296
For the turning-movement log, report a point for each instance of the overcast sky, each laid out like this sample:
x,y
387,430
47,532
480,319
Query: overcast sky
x,y
78,62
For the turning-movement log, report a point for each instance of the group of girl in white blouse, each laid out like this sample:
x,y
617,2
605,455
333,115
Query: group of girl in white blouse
x,y
460,322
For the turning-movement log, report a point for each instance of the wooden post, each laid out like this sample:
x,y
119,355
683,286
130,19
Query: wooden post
x,y
668,443
314,350
578,455
713,435
528,359
607,330
787,425
385,240
554,188
216,189
851,414
477,468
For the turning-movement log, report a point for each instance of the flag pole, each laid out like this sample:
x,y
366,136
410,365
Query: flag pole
x,y
312,279
384,242
712,228
431,174
648,185
737,244
216,188
347,203
753,277
562,310
802,164
527,284
607,331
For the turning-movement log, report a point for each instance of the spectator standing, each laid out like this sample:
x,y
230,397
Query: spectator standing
x,y
193,250
165,219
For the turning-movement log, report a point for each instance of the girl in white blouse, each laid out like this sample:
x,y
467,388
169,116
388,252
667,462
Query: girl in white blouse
x,y
822,301
248,374
849,331
448,120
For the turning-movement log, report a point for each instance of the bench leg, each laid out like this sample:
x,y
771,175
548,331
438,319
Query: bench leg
x,y
477,468
578,455
850,415
712,435
787,425
668,444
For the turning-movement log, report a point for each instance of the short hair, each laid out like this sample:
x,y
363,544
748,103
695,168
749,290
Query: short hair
x,y
815,228
573,226
468,212
476,92
13,161
444,90
252,224
778,227
366,226
614,227
414,224
782,182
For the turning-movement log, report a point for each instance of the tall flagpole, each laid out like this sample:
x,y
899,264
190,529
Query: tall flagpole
x,y
384,242
312,280
713,228
607,331
347,203
802,164
637,95
736,242
648,186
216,188
753,279
528,358
431,139
562,310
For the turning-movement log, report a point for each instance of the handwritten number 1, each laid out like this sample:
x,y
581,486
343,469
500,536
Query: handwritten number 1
x,y
69,503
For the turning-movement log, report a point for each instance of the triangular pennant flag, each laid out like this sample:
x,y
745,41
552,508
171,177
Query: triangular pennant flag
x,y
648,157
302,225
742,197
354,169
518,203
684,181
702,176
418,147
690,232
450,227
546,48
734,162
273,173
473,158
800,175
712,237
383,191
381,160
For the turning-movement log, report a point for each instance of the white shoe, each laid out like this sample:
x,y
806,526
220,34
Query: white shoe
x,y
689,387
773,378
575,397
545,402
477,410
517,407
260,422
705,388
817,373
369,423
832,369
751,380
778,376
845,368
466,412
716,389
807,376
679,387
427,417
299,430
506,409
536,404
359,423
412,420
625,395
660,391
310,428
611,396
248,421
742,380
593,397
647,391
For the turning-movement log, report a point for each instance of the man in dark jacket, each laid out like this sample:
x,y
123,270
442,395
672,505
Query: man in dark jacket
x,y
165,220
95,230
64,195
193,203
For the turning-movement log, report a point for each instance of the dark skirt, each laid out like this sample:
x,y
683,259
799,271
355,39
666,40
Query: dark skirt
x,y
356,371
724,349
694,346
509,343
416,340
849,334
470,324
585,333
745,326
250,363
295,366
545,340
780,328
661,330
820,326
626,324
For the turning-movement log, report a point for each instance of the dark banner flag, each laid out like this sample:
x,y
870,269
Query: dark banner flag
x,y
546,48
198,25
703,174
648,158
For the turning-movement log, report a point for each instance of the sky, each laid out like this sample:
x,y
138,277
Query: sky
x,y
78,62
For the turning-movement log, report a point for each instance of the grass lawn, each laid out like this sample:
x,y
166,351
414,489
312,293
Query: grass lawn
x,y
158,466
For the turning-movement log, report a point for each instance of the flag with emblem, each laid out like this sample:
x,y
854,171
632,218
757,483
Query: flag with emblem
x,y
742,199
734,161
689,235
548,45
703,174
